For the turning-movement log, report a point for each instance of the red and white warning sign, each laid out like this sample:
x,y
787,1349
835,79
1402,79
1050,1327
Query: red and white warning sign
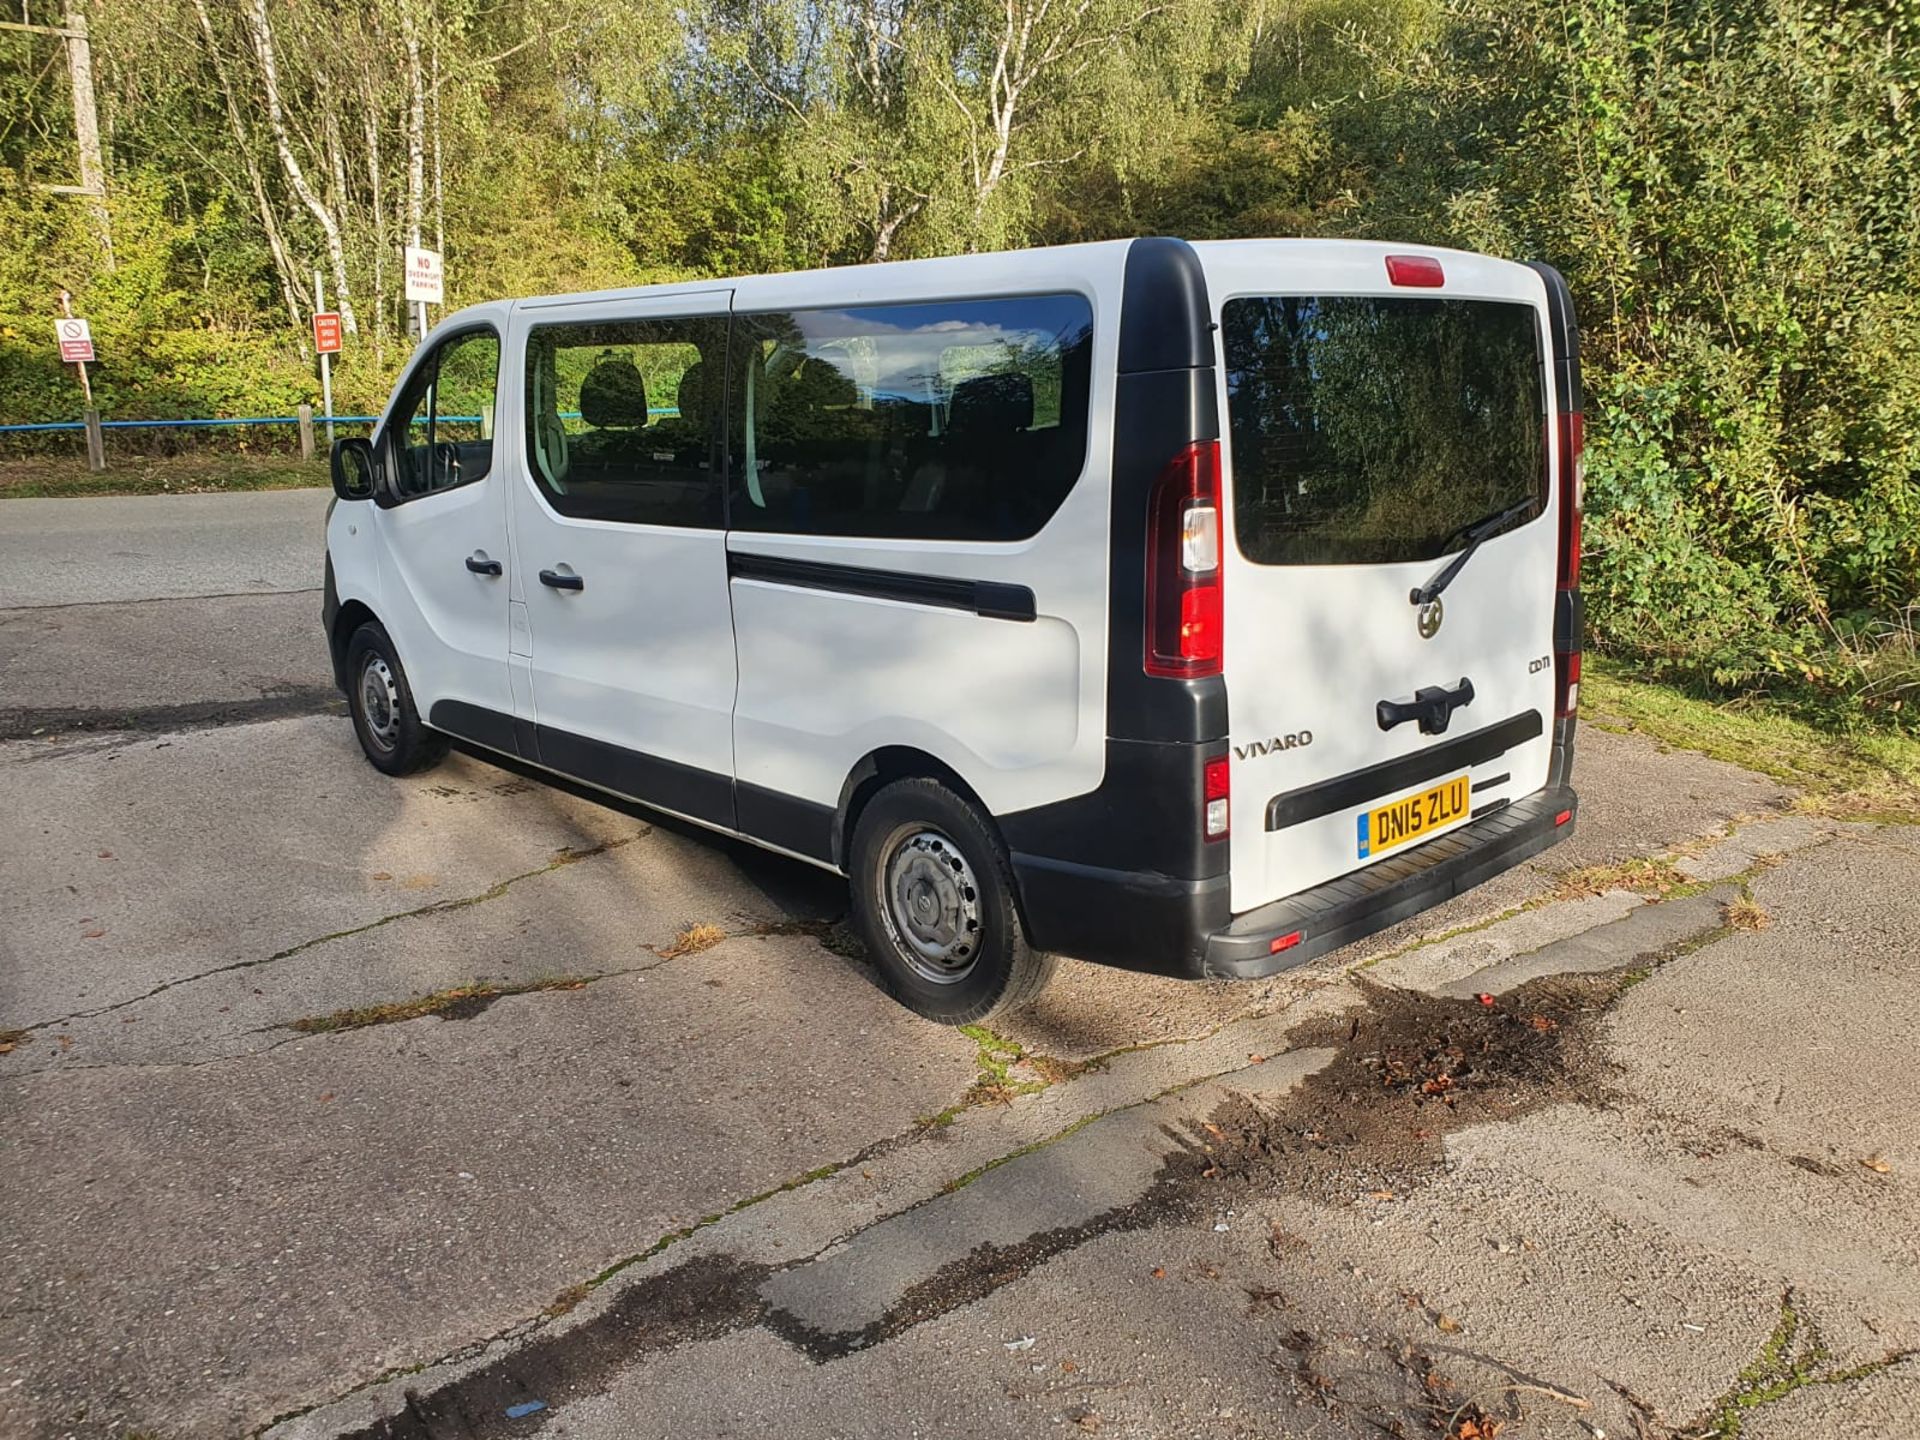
x,y
76,340
326,332
426,278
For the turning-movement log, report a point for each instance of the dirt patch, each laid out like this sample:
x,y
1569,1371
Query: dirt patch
x,y
1408,1069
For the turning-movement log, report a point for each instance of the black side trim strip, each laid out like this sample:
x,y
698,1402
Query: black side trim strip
x,y
1343,792
478,724
793,824
684,789
611,773
1491,781
987,598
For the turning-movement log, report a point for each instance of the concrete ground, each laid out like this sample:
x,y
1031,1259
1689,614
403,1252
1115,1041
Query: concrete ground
x,y
1563,1158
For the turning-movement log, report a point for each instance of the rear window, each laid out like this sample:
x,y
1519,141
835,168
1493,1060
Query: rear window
x,y
1373,429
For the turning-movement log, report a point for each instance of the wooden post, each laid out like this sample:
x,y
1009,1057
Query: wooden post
x,y
306,431
96,442
86,128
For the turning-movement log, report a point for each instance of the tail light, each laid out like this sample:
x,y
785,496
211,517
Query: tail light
x,y
1184,616
1218,786
1567,618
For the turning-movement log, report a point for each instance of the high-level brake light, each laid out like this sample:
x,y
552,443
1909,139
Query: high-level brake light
x,y
1420,271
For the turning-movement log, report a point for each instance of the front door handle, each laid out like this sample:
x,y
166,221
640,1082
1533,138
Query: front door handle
x,y
558,581
1432,706
480,565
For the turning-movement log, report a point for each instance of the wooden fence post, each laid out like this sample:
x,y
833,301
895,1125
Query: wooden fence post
x,y
96,442
306,432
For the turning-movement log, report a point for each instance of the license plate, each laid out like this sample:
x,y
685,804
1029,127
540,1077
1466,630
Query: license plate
x,y
1414,818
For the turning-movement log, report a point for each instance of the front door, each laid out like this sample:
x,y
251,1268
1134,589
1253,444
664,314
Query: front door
x,y
442,521
618,519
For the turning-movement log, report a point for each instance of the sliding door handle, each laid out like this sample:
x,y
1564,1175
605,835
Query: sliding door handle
x,y
557,581
480,565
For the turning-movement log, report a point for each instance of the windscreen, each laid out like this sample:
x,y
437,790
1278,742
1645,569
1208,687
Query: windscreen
x,y
1374,429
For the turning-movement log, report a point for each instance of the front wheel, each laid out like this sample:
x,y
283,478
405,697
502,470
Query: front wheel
x,y
391,732
933,899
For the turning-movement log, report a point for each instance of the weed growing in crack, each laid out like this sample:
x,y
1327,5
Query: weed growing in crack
x,y
1790,1360
463,1002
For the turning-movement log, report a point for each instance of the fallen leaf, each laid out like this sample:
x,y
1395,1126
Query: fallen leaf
x,y
326,1096
1214,1130
1068,1366
1256,1059
106,854
1877,1165
66,1041
1380,1195
93,934
1159,1272
1447,1325
1542,1023
1087,1421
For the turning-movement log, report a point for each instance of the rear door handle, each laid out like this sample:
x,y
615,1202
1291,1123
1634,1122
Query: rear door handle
x,y
480,565
1433,707
558,581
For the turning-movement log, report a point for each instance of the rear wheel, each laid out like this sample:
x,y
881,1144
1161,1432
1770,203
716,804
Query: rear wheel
x,y
391,732
933,899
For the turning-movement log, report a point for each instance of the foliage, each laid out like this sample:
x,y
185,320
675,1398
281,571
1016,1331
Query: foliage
x,y
1732,188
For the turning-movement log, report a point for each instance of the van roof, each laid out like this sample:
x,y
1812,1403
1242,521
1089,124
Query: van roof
x,y
1075,266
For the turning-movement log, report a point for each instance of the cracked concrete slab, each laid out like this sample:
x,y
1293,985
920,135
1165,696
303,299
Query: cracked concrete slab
x,y
1068,1183
1642,934
356,1201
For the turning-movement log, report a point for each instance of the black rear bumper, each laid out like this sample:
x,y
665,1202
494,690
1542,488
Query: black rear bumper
x,y
1353,906
1181,927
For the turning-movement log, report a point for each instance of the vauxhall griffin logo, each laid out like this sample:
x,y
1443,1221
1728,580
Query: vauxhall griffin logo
x,y
1427,619
1255,749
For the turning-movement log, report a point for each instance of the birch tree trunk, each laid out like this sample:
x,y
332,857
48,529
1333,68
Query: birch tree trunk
x,y
296,177
256,182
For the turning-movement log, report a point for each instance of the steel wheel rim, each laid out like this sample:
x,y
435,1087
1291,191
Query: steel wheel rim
x,y
930,901
380,702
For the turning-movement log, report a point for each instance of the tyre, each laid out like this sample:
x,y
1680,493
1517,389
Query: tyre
x,y
391,732
933,899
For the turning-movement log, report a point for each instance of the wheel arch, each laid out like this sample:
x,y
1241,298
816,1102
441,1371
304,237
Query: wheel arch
x,y
350,617
879,768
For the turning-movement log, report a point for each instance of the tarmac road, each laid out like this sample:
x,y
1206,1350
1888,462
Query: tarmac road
x,y
671,1190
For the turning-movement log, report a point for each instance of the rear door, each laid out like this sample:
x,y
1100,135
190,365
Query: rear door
x,y
1380,409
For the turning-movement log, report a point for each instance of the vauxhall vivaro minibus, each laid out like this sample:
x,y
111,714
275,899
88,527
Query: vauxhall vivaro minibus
x,y
1197,608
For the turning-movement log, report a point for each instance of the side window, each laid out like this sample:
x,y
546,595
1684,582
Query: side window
x,y
623,419
447,435
960,420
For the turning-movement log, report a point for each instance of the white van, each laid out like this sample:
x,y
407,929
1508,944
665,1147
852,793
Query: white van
x,y
1195,608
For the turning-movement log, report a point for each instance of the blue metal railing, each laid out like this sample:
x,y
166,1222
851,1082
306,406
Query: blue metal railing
x,y
46,425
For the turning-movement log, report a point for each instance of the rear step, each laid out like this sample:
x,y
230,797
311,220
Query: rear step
x,y
1301,927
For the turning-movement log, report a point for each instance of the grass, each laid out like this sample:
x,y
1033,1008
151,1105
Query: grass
x,y
1847,772
205,473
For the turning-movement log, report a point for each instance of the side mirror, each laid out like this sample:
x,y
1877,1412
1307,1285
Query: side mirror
x,y
355,471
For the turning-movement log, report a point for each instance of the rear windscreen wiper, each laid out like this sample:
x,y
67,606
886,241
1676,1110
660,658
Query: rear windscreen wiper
x,y
1474,534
